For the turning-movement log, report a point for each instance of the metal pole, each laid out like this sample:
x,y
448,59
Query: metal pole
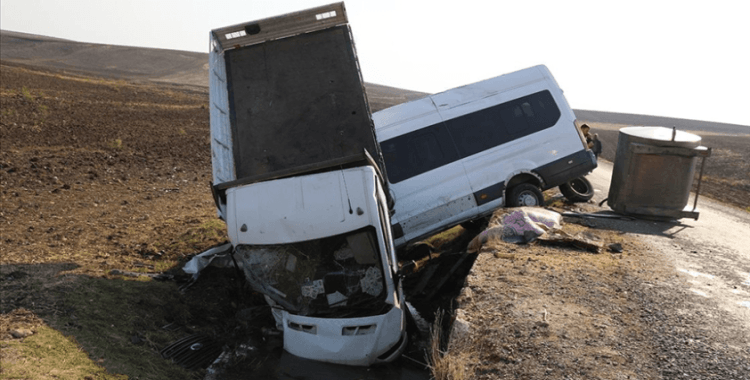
x,y
698,190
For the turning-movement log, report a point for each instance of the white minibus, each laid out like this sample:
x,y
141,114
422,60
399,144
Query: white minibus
x,y
456,156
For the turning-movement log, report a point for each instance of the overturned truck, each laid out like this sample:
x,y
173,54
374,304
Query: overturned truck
x,y
299,179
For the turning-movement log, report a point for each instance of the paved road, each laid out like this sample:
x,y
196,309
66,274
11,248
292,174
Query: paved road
x,y
712,254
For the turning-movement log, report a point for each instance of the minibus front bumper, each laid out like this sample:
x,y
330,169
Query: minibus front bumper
x,y
352,341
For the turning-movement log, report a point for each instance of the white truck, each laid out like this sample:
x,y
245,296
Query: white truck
x,y
298,177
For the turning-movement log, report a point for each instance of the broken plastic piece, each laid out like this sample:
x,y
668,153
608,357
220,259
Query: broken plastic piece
x,y
314,289
360,245
336,299
201,261
372,283
291,263
343,254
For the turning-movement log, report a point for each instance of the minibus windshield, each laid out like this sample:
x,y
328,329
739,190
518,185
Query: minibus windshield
x,y
338,276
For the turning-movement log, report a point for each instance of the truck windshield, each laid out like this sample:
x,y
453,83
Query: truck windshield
x,y
337,277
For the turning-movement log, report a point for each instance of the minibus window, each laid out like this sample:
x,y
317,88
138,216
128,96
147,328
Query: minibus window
x,y
546,111
426,152
433,146
527,109
418,152
514,121
485,129
476,131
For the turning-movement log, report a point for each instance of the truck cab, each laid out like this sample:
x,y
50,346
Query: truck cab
x,y
319,247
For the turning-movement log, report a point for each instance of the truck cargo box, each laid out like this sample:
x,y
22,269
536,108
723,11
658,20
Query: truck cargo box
x,y
287,97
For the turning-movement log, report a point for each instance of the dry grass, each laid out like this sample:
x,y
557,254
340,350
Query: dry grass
x,y
456,361
88,327
46,354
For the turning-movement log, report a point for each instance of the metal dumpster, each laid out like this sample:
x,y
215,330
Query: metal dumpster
x,y
654,171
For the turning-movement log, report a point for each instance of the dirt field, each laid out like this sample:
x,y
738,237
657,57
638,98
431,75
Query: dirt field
x,y
100,175
103,179
102,168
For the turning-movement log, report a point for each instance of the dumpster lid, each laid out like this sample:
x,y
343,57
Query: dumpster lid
x,y
662,136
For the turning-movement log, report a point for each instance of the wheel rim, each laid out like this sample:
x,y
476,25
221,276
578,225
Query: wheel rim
x,y
527,198
579,186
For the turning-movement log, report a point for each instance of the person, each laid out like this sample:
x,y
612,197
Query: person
x,y
592,140
595,145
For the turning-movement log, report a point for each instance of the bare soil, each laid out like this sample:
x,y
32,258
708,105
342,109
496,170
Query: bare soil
x,y
539,311
99,175
105,173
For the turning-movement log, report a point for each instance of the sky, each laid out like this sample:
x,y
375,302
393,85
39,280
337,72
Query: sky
x,y
684,59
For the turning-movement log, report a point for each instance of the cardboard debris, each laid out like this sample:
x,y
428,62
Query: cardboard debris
x,y
566,239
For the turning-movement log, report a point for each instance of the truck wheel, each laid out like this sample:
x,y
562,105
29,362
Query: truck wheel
x,y
577,190
525,194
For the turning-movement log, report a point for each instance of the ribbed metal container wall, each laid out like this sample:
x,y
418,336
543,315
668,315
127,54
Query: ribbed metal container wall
x,y
653,172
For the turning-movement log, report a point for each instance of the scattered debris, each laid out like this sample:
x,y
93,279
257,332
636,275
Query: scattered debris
x,y
202,260
302,278
563,238
615,247
117,272
21,333
226,360
528,224
603,215
518,225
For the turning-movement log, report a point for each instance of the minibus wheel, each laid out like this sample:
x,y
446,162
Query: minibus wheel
x,y
525,194
577,190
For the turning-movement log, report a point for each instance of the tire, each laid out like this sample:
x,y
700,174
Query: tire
x,y
525,194
577,190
